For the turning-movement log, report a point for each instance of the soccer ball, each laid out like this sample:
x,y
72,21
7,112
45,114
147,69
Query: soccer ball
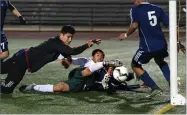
x,y
120,74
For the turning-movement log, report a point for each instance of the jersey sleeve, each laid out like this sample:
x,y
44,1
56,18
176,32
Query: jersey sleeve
x,y
133,15
10,6
66,50
79,61
164,18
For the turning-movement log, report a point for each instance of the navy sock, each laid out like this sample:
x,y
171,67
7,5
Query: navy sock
x,y
148,80
165,70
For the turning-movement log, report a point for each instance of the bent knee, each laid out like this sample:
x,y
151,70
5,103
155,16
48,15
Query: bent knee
x,y
61,87
4,55
135,65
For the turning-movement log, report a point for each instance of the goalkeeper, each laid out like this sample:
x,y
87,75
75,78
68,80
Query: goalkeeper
x,y
36,57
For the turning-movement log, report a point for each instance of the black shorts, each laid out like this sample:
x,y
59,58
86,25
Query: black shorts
x,y
15,67
142,57
4,42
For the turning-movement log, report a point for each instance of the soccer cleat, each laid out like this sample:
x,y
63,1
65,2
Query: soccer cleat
x,y
25,88
105,81
113,63
143,85
155,92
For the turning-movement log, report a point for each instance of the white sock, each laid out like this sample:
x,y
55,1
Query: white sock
x,y
95,66
44,88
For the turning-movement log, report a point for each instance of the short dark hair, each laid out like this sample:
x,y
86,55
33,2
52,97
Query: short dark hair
x,y
98,50
68,29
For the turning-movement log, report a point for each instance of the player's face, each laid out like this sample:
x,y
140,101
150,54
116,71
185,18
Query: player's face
x,y
98,57
67,38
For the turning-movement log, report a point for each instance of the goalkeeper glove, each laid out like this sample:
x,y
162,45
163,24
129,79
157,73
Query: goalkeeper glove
x,y
22,20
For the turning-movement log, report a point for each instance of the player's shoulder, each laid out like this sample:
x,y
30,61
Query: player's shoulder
x,y
133,9
155,5
54,39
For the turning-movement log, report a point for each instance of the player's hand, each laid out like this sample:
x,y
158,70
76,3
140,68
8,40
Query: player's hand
x,y
66,62
123,36
22,20
181,47
94,41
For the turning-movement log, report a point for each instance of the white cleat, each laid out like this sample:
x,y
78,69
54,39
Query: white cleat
x,y
105,81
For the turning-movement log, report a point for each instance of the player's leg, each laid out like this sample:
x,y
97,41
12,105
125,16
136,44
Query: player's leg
x,y
66,86
61,87
14,77
143,75
143,58
17,67
47,88
8,64
163,65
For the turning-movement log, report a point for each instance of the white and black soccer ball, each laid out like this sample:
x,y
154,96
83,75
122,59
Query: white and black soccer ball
x,y
120,74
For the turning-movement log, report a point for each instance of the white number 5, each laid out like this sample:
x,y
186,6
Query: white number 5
x,y
152,18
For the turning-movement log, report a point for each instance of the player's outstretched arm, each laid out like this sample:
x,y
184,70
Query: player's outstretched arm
x,y
66,50
97,66
16,13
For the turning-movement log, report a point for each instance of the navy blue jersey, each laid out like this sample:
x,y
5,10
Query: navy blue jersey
x,y
149,17
4,7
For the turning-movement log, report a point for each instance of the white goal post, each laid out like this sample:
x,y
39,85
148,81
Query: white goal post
x,y
175,97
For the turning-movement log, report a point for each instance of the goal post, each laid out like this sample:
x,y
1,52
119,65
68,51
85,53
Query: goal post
x,y
175,97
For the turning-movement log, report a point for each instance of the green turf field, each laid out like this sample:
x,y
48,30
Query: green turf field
x,y
123,102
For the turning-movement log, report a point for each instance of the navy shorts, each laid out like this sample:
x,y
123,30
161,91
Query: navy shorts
x,y
4,42
142,57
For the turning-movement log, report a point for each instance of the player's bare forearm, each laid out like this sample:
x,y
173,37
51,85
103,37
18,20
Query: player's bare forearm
x,y
13,9
16,13
132,28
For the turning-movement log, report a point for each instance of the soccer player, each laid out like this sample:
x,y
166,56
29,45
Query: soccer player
x,y
35,58
147,18
79,79
4,53
99,80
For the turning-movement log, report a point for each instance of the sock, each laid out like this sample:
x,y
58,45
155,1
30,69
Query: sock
x,y
96,66
148,80
44,88
166,72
